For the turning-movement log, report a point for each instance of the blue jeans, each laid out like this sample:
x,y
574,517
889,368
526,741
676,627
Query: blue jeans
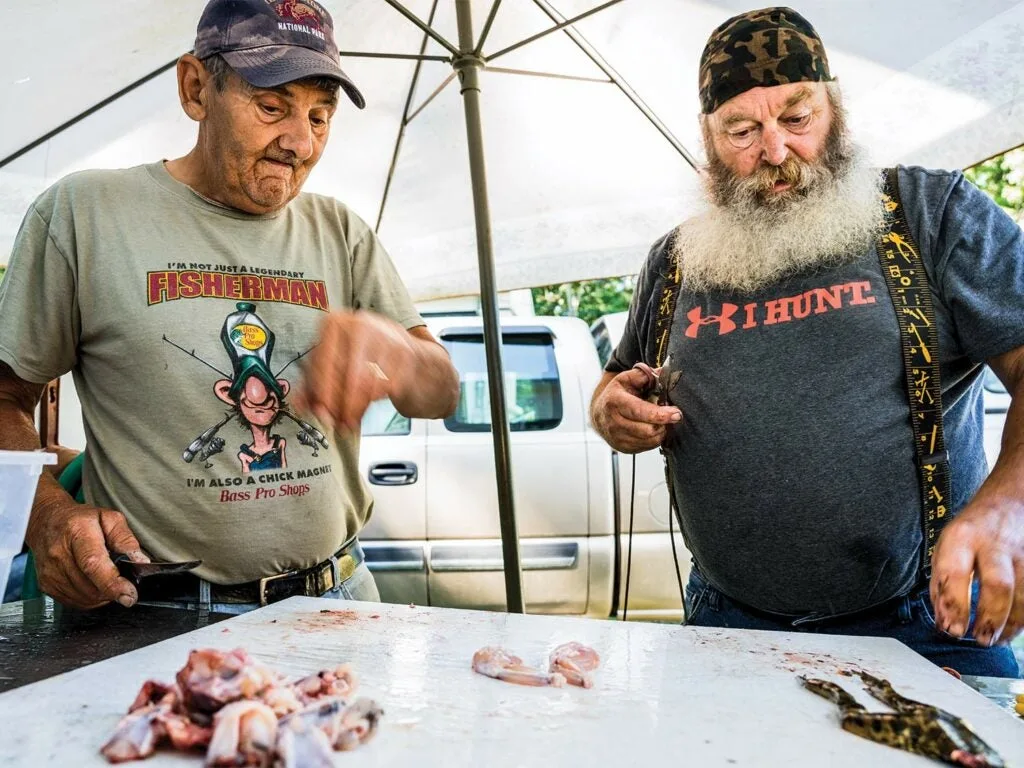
x,y
909,619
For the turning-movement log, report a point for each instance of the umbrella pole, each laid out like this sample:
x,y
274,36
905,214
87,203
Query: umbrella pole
x,y
468,66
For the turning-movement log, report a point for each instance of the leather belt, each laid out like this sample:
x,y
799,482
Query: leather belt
x,y
311,582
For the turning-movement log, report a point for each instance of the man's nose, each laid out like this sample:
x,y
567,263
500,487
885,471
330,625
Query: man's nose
x,y
773,145
297,138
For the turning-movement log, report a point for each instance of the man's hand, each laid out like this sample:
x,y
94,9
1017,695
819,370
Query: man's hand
x,y
624,418
362,357
71,543
986,540
987,543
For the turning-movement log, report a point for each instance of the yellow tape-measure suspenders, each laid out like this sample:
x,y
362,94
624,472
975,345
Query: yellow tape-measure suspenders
x,y
907,281
667,297
905,276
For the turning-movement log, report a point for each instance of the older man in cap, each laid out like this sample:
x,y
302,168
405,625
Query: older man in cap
x,y
808,352
186,296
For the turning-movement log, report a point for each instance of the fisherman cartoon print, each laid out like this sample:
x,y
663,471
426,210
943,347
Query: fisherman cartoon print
x,y
255,395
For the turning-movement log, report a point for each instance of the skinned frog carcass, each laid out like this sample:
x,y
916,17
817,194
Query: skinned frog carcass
x,y
300,745
306,739
245,713
328,683
346,725
244,733
913,726
157,715
498,663
213,678
576,662
136,736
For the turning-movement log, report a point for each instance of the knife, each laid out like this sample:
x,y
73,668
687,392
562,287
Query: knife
x,y
135,571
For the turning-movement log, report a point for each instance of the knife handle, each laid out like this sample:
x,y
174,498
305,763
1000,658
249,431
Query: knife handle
x,y
123,563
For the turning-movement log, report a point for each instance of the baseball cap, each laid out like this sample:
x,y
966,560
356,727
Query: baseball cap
x,y
273,42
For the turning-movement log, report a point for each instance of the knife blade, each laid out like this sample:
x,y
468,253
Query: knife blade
x,y
134,571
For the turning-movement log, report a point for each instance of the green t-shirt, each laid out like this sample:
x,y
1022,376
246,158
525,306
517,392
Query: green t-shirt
x,y
177,315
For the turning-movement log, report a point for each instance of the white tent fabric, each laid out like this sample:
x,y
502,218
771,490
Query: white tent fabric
x,y
580,181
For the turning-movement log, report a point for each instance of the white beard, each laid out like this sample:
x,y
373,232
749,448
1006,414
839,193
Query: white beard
x,y
747,250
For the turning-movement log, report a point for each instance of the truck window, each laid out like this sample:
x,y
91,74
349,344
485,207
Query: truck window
x,y
532,389
381,418
602,340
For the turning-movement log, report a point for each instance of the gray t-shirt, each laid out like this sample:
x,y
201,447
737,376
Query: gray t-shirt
x,y
793,466
183,323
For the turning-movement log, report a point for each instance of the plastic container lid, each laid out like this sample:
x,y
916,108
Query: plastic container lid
x,y
40,458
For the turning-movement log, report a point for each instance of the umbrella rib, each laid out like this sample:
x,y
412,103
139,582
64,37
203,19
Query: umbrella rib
x,y
410,56
426,28
506,71
558,26
430,98
604,66
90,111
487,28
405,120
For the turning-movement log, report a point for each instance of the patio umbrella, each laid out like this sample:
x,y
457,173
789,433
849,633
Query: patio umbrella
x,y
467,58
568,101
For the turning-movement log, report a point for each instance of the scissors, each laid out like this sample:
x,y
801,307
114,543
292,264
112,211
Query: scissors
x,y
659,381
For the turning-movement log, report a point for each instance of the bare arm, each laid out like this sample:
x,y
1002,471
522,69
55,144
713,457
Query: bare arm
x,y
68,540
622,416
986,541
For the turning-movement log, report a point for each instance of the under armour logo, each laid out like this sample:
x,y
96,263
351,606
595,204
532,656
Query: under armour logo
x,y
725,325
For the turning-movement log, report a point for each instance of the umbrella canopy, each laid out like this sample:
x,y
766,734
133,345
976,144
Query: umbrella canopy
x,y
589,108
580,181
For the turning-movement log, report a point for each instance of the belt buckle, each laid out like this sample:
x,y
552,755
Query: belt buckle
x,y
265,580
346,567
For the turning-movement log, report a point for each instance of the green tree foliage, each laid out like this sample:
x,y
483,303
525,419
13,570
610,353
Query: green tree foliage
x,y
587,299
1002,178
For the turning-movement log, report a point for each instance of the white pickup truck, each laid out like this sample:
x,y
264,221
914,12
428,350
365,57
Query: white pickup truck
x,y
434,537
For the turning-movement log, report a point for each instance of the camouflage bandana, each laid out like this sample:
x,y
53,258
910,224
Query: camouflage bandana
x,y
772,46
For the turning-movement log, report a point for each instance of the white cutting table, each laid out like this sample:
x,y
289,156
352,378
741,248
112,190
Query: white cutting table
x,y
664,694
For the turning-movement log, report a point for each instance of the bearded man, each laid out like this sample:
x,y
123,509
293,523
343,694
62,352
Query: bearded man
x,y
788,425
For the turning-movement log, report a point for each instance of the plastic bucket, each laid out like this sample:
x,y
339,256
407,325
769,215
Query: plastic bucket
x,y
19,474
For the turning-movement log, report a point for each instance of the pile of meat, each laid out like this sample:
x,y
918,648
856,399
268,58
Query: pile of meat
x,y
244,713
572,663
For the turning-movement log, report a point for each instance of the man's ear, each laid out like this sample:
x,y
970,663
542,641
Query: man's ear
x,y
194,84
285,387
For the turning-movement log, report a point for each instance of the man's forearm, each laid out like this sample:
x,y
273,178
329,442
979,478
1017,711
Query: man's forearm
x,y
432,390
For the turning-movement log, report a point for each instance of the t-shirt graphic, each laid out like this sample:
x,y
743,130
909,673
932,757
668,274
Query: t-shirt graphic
x,y
255,395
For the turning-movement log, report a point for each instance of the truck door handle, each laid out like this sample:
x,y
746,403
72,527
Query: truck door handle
x,y
393,473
